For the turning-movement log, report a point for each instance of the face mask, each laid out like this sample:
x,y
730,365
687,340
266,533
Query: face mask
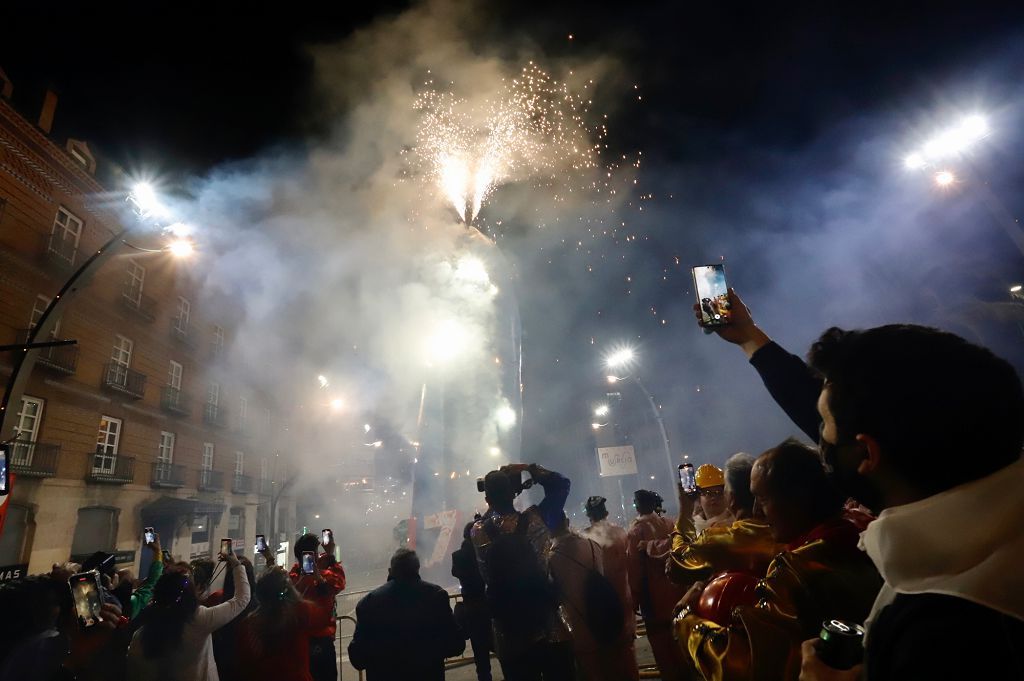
x,y
842,469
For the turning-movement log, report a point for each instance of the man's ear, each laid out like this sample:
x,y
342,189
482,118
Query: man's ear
x,y
871,452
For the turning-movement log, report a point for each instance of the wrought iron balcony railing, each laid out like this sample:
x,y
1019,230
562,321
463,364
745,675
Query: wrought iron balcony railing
x,y
120,378
166,474
214,415
114,469
241,484
34,459
133,301
62,359
60,252
174,401
211,481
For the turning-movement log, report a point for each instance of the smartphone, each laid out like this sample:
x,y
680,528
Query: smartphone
x,y
225,547
712,295
326,537
261,543
3,470
85,591
687,479
149,535
308,562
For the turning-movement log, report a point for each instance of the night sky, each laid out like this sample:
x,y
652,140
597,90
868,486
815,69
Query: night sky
x,y
770,136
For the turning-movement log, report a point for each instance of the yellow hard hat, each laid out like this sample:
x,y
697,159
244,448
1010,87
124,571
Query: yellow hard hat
x,y
709,475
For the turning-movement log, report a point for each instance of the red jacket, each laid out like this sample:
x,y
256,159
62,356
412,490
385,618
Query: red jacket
x,y
288,658
321,591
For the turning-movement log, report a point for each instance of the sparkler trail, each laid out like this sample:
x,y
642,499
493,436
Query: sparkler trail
x,y
533,129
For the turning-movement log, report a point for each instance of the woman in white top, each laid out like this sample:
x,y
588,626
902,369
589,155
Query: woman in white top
x,y
174,642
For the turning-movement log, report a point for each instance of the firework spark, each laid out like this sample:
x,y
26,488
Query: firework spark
x,y
534,128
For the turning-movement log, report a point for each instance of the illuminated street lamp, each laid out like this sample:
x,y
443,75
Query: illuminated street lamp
x,y
623,358
944,178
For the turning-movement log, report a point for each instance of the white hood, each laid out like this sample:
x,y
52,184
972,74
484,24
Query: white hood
x,y
966,542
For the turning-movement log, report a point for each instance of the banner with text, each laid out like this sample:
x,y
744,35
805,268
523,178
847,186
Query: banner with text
x,y
616,461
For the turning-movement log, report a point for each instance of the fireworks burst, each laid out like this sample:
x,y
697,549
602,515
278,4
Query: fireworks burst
x,y
534,128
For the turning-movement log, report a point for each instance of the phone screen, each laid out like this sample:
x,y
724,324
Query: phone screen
x,y
225,547
261,543
85,590
687,479
307,562
326,537
149,535
3,470
712,295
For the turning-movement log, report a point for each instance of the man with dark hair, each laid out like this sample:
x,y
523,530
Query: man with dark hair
x,y
512,550
820,574
321,587
926,429
746,545
405,629
647,547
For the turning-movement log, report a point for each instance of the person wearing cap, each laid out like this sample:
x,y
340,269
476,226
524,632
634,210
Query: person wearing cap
x,y
651,588
714,510
744,546
820,574
612,540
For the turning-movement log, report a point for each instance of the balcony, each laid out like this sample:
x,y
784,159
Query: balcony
x,y
241,484
167,474
59,252
214,415
182,332
34,459
174,401
211,481
111,469
142,306
119,378
62,359
266,487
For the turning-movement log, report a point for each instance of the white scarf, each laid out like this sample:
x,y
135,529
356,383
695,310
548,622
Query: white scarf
x,y
966,542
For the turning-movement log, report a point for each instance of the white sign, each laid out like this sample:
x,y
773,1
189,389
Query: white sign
x,y
446,520
616,460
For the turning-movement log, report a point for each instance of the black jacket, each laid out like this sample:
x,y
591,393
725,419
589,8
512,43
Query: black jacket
x,y
944,638
792,384
405,630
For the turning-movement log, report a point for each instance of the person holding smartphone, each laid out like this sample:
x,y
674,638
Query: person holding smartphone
x,y
321,585
136,597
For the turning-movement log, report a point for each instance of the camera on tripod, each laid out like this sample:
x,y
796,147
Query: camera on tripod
x,y
515,479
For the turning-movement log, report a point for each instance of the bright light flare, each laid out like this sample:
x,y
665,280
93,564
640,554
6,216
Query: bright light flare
x,y
337,404
596,425
473,270
613,379
1016,288
602,410
914,161
322,380
495,451
506,416
181,248
944,178
448,340
146,202
955,140
366,428
620,357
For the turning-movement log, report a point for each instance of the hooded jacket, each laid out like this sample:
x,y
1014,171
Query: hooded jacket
x,y
953,565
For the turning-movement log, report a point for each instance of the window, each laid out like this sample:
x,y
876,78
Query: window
x,y
239,463
67,230
27,429
174,375
213,394
121,359
38,308
200,536
184,312
264,469
13,539
165,454
218,339
207,456
133,283
236,523
96,531
243,412
106,445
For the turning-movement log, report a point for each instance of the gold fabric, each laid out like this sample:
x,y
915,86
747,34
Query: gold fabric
x,y
745,546
801,589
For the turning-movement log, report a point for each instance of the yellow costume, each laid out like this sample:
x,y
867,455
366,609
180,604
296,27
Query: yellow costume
x,y
826,577
744,546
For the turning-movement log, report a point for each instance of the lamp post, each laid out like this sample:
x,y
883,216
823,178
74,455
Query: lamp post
x,y
622,358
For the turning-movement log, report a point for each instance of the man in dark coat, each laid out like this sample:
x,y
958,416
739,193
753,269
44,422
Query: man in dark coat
x,y
405,629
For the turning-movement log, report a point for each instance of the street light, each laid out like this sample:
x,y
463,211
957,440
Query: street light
x,y
622,357
944,178
602,410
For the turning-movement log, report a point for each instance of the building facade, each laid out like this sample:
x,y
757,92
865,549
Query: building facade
x,y
145,421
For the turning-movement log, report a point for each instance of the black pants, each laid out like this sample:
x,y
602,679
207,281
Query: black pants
x,y
544,662
480,638
323,659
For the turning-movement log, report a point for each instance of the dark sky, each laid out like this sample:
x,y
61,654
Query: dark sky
x,y
757,122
